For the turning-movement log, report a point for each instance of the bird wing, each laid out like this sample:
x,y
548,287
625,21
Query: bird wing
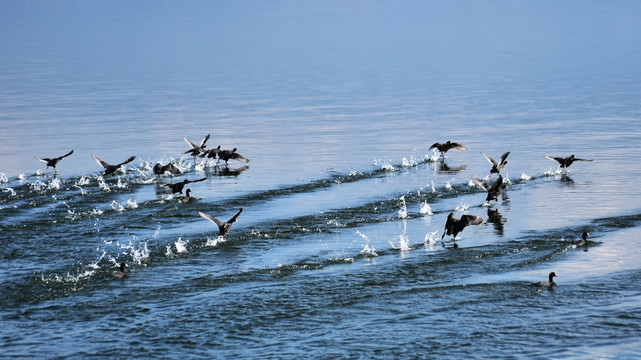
x,y
210,218
237,156
557,159
577,159
202,144
448,225
127,161
435,145
191,144
233,218
504,156
173,169
100,162
42,159
458,146
472,219
497,183
67,154
193,181
481,183
489,159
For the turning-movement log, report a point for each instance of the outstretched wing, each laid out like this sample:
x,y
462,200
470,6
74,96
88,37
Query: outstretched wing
x,y
202,144
504,156
172,169
577,159
233,218
193,181
435,145
481,183
557,159
100,162
237,156
458,146
127,161
191,144
490,159
210,218
42,159
471,219
67,154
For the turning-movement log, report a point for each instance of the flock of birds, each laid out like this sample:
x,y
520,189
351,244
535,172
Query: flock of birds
x,y
453,225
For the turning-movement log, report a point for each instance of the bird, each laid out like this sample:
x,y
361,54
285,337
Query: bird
x,y
583,241
227,155
161,169
548,283
178,187
119,274
497,166
223,226
494,190
187,198
211,153
195,149
565,162
453,226
53,161
443,148
111,169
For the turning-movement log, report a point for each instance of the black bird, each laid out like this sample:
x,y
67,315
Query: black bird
x,y
161,169
494,190
187,198
178,187
565,162
211,153
110,169
453,226
53,161
119,274
223,226
195,149
443,148
497,166
227,155
583,241
548,283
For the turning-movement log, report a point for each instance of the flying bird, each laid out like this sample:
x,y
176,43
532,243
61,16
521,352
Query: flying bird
x,y
497,166
494,190
161,169
443,148
53,161
178,187
111,169
565,162
223,226
196,149
227,155
211,153
548,283
453,226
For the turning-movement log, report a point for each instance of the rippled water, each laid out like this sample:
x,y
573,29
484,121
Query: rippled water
x,y
338,250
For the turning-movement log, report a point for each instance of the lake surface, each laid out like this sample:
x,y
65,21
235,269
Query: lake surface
x,y
338,251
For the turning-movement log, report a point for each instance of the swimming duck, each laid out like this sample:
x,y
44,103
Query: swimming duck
x,y
453,226
187,198
110,169
119,274
227,155
196,149
548,283
223,226
565,162
583,241
497,166
161,169
178,187
53,161
494,190
443,148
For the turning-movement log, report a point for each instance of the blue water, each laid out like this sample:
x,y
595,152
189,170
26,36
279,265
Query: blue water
x,y
335,104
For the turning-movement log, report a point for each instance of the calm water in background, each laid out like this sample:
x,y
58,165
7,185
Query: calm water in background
x,y
335,104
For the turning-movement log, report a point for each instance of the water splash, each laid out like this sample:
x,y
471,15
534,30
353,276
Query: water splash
x,y
402,212
448,186
129,204
181,245
3,178
426,209
215,242
368,250
102,184
525,177
430,239
385,165
461,207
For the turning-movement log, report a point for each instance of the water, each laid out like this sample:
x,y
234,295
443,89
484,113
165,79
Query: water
x,y
338,250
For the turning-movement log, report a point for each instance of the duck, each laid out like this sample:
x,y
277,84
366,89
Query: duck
x,y
196,149
111,169
445,147
497,166
453,226
211,153
565,162
548,283
178,187
187,198
583,241
223,226
494,190
119,274
162,169
227,155
52,162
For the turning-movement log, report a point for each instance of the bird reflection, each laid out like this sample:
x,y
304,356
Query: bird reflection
x,y
225,171
443,168
497,220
